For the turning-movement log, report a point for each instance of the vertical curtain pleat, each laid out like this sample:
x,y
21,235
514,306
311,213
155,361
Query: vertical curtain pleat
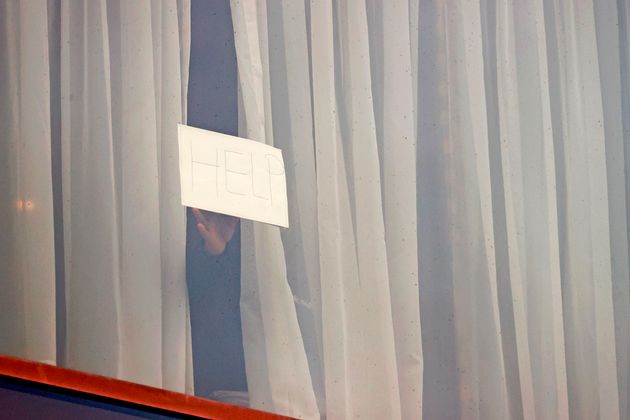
x,y
140,285
395,117
439,347
289,78
90,214
175,323
277,368
609,55
370,352
336,238
529,189
586,241
481,379
27,257
622,288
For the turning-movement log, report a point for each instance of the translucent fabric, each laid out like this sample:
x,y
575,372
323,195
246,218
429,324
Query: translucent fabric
x,y
27,256
458,166
115,73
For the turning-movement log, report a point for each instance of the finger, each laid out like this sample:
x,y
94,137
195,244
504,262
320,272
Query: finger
x,y
215,244
199,216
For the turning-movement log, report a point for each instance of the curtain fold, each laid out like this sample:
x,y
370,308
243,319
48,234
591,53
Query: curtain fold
x,y
586,240
527,157
122,90
277,369
467,161
27,254
396,117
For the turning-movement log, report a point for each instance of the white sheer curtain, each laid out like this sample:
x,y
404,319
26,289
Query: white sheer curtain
x,y
462,164
121,89
27,258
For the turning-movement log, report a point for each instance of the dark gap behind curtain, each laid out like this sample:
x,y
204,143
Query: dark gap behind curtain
x,y
214,282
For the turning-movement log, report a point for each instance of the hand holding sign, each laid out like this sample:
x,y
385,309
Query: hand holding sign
x,y
215,229
232,176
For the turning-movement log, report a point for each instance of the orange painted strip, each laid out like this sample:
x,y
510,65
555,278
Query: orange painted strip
x,y
126,391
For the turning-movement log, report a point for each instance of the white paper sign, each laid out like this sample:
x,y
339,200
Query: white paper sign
x,y
232,175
